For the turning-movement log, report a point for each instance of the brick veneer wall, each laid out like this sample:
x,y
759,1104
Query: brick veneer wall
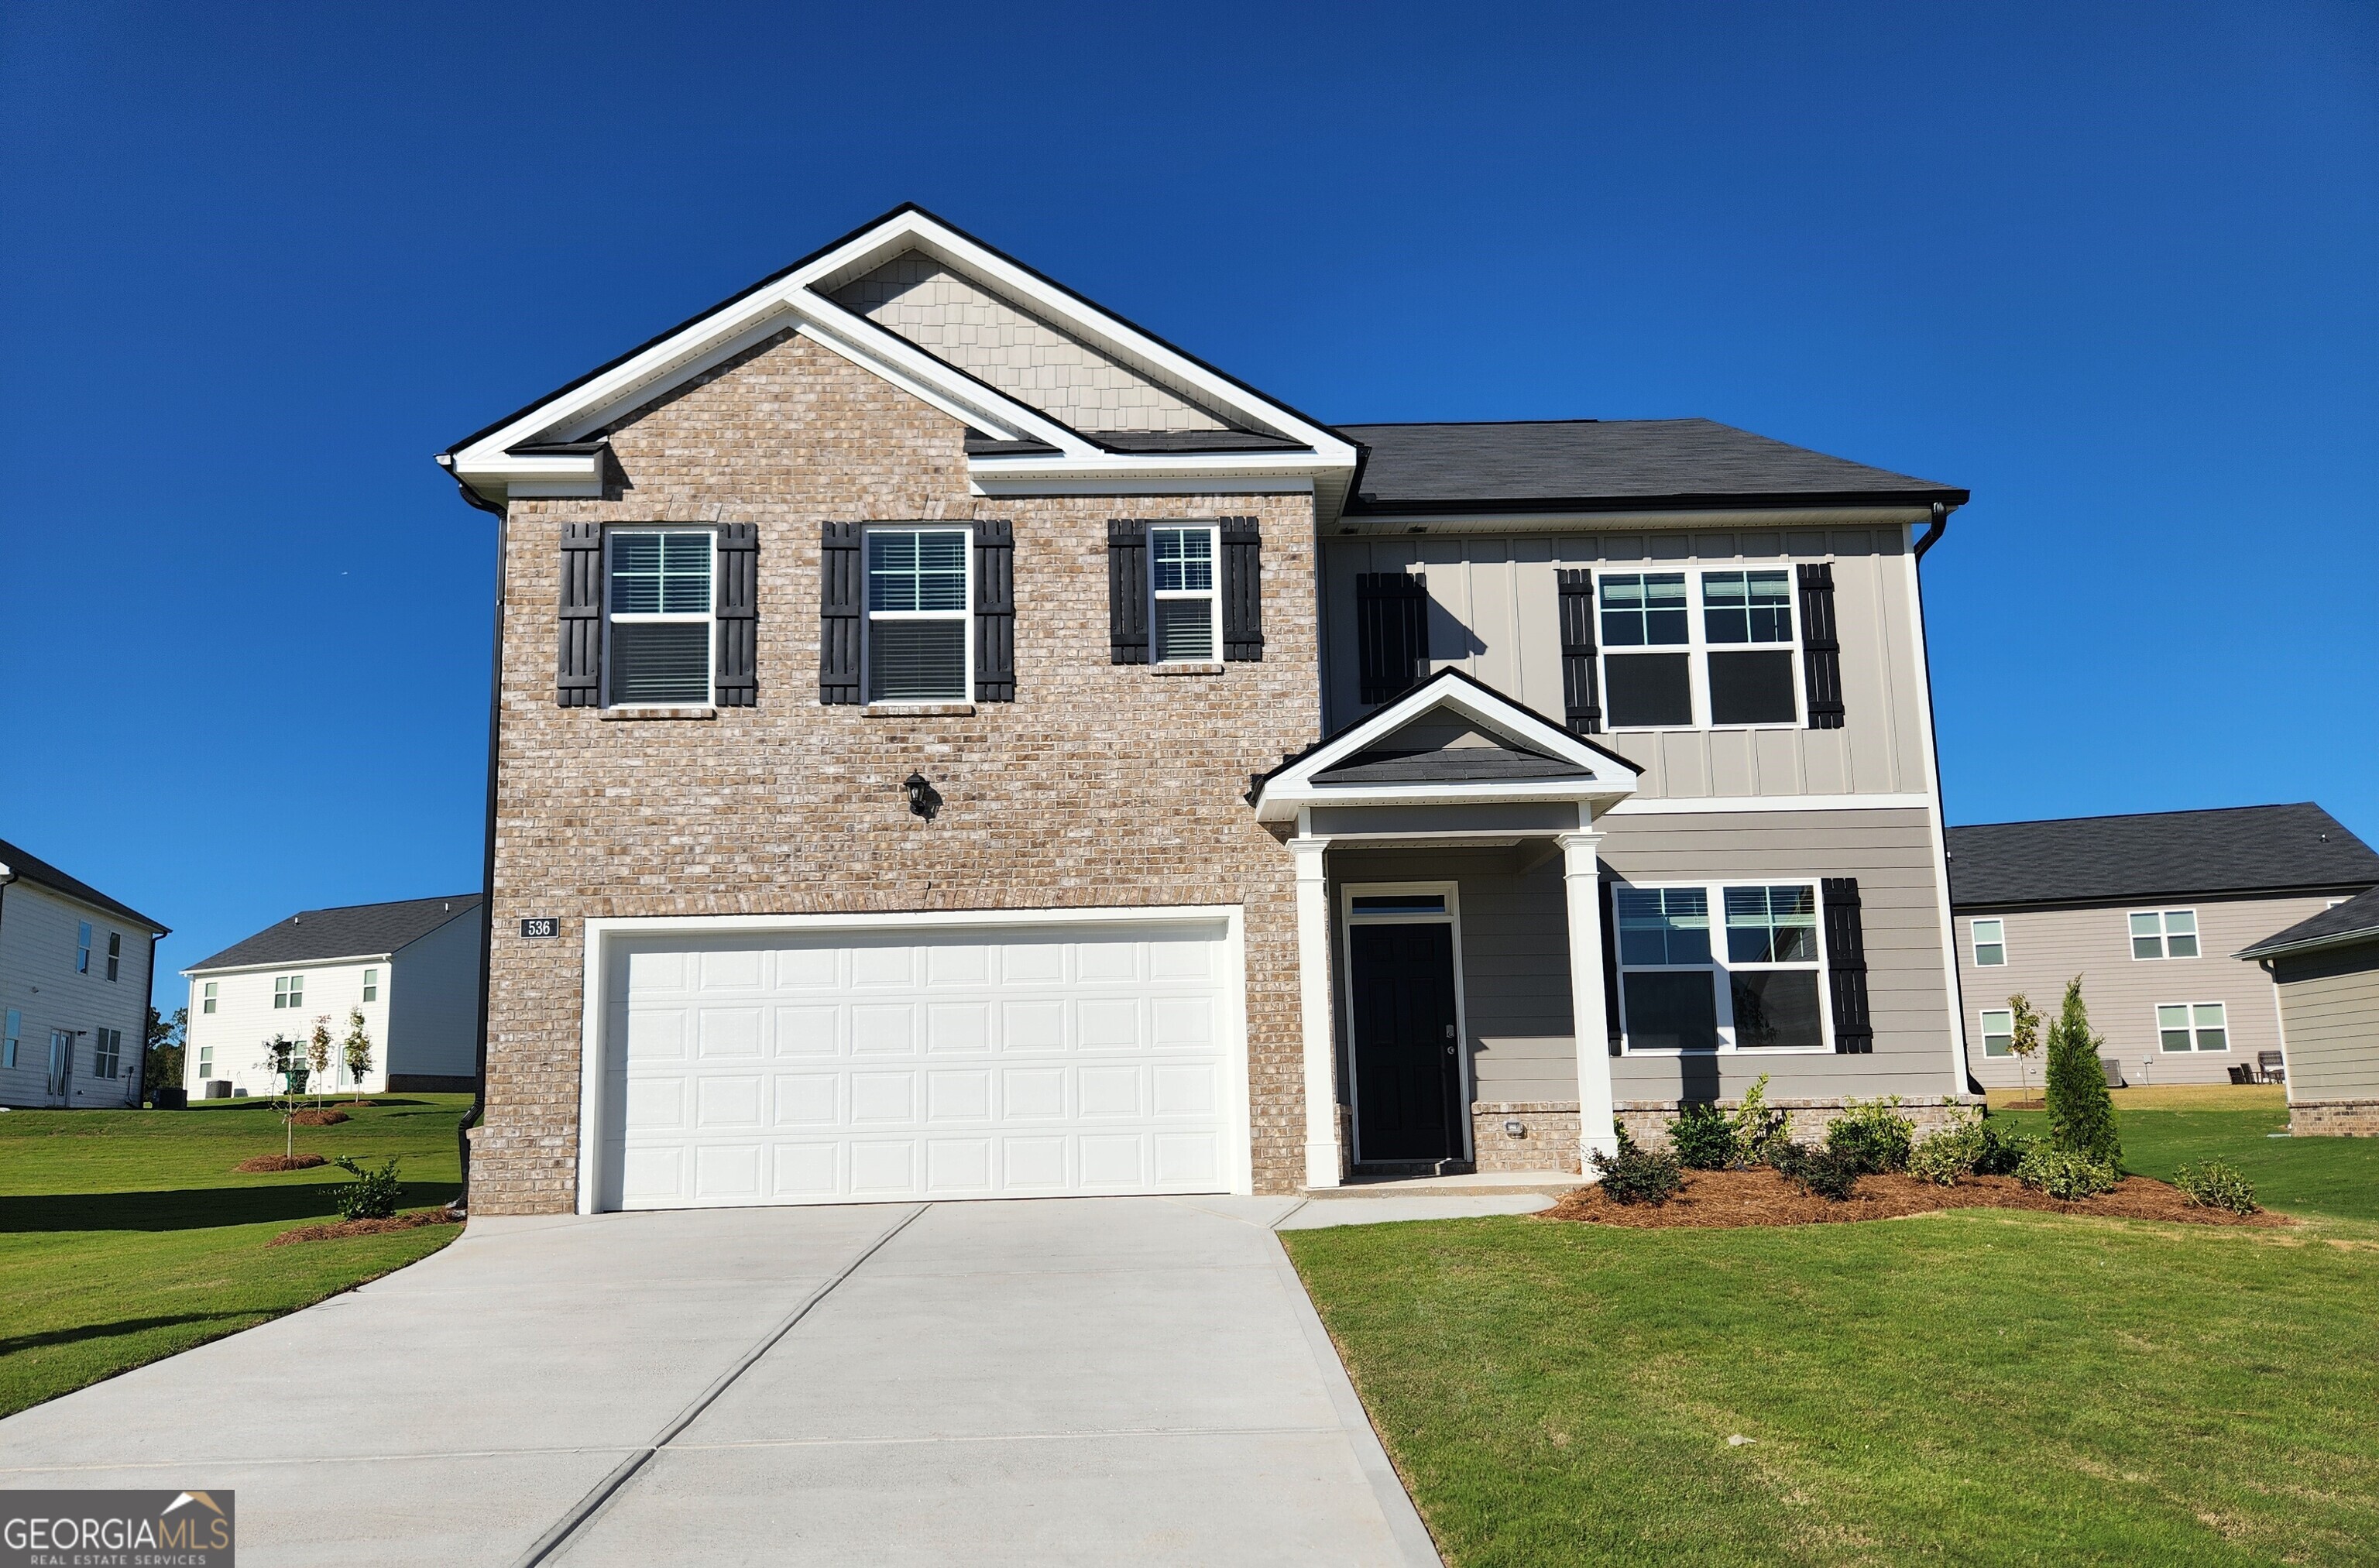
x,y
1099,785
2334,1118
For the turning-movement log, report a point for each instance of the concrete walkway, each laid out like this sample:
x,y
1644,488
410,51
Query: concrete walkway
x,y
1098,1380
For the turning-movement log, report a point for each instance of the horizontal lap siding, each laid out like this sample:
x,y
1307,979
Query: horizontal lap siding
x,y
2331,1003
38,978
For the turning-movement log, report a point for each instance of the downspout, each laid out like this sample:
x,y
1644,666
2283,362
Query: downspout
x,y
7,875
141,1084
478,1110
1940,801
1933,535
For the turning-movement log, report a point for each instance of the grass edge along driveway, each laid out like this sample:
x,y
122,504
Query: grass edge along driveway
x,y
126,1235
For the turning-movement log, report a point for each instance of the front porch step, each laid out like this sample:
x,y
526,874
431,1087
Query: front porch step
x,y
1365,1184
1388,1170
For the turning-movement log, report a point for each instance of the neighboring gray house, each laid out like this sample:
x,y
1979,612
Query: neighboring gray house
x,y
75,968
412,967
954,743
2326,970
2146,909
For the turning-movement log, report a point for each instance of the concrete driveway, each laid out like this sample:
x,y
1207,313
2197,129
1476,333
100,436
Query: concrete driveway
x,y
1094,1380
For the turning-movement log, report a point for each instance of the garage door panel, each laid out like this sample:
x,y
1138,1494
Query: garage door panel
x,y
915,1065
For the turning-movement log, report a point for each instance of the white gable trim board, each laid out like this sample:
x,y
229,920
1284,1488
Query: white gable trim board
x,y
758,1059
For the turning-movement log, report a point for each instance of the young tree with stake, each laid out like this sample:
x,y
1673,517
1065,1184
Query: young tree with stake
x,y
357,1050
317,1055
2024,1041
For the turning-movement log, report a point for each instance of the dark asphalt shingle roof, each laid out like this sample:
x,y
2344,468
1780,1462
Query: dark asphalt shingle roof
x,y
1609,464
2355,918
2235,850
353,930
32,868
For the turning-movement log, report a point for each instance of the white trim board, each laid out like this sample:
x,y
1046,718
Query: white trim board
x,y
1673,805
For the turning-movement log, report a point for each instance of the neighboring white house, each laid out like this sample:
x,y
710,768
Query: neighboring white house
x,y
75,969
412,967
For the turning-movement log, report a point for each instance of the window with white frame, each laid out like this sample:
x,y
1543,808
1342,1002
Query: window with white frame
x,y
2164,934
1990,944
371,986
2193,1026
1758,990
206,1062
207,997
107,1053
82,948
917,647
1998,1031
288,991
15,1025
1732,664
114,952
1186,621
659,640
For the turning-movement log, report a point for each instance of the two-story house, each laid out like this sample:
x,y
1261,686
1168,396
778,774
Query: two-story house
x,y
75,969
953,743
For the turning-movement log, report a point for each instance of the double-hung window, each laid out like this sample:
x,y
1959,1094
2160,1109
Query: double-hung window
x,y
288,991
2164,934
107,1054
207,997
114,952
82,948
206,1063
918,591
15,1026
371,986
1187,623
1758,990
1998,1031
658,648
1734,663
1990,944
2200,1026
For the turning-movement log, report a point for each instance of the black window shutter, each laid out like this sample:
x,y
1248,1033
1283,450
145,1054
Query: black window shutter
x,y
1610,967
736,683
839,601
1585,712
1242,590
1846,966
578,674
1127,590
995,611
1392,632
1821,651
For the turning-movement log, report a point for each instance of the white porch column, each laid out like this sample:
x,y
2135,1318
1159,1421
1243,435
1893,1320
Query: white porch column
x,y
1313,994
1580,875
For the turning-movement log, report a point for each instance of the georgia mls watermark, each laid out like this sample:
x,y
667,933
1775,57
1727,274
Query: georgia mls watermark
x,y
115,1529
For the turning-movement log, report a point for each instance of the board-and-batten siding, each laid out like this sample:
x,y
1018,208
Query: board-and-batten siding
x,y
2331,1003
1493,614
1515,950
38,979
2047,947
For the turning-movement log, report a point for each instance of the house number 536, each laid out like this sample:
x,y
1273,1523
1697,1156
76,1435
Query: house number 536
x,y
544,925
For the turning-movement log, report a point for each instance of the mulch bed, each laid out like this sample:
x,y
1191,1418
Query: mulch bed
x,y
1726,1198
281,1162
344,1228
318,1119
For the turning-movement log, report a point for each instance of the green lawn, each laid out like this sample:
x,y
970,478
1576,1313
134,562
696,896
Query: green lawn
x,y
124,1236
2338,1177
1978,1386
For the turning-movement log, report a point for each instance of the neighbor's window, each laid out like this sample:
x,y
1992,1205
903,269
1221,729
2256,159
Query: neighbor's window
x,y
15,1025
107,1054
1644,610
82,948
1665,667
1750,686
2164,934
207,997
288,990
206,1061
2202,1026
1998,1031
658,647
1990,944
1758,991
917,642
1181,561
114,952
371,986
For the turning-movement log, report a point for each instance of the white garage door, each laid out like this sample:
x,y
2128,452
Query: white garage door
x,y
963,1063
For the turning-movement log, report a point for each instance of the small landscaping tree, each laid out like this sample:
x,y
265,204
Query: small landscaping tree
x,y
2080,1112
2024,1041
356,1050
317,1055
281,1061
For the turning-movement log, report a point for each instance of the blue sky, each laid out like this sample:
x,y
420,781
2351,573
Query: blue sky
x,y
2108,267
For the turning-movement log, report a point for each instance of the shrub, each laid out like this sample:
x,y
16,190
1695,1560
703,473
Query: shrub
x,y
372,1196
2066,1172
2216,1184
2002,1150
1757,1129
1874,1136
1703,1139
1942,1157
1829,1173
2080,1112
1637,1174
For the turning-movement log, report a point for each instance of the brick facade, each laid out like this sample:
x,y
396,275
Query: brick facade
x,y
2334,1118
1099,786
1547,1141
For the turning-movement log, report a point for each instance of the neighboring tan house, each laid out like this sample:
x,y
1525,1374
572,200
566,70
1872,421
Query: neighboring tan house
x,y
412,967
2327,970
75,968
955,745
2146,909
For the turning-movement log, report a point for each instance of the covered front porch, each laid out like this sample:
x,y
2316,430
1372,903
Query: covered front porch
x,y
1449,942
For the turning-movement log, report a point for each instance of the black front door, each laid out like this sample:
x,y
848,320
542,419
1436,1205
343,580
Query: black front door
x,y
1407,1063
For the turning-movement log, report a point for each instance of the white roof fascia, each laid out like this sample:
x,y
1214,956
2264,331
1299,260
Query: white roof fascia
x,y
287,965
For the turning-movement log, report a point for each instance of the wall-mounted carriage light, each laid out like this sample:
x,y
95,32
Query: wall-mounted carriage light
x,y
924,799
